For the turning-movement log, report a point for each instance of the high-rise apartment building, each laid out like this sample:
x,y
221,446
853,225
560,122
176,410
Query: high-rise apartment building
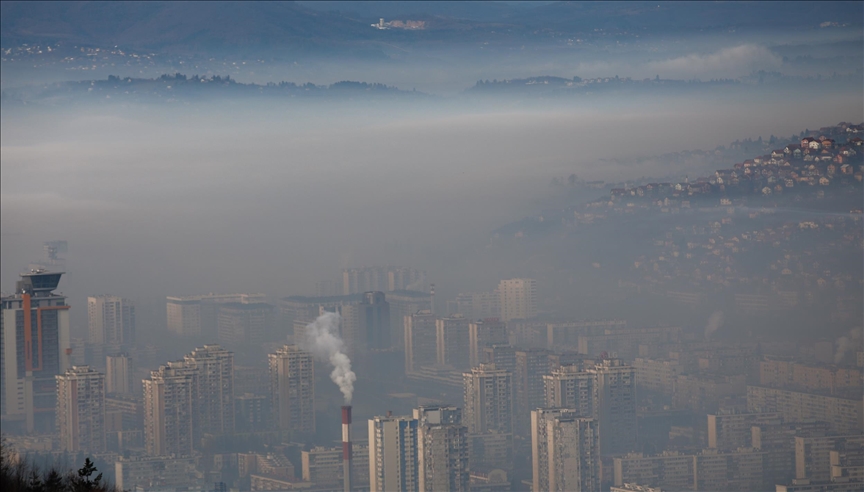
x,y
34,333
503,356
531,366
252,412
81,410
442,448
453,342
366,326
194,316
169,410
482,334
572,454
214,389
540,444
488,415
405,303
393,454
443,458
479,305
604,391
518,298
570,387
119,372
420,341
615,405
111,321
488,393
292,383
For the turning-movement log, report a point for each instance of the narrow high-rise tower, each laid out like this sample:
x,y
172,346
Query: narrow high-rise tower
x,y
393,455
292,383
565,451
34,329
111,321
518,298
169,410
81,410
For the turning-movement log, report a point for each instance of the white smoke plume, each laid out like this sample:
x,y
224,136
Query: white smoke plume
x,y
324,342
850,342
715,322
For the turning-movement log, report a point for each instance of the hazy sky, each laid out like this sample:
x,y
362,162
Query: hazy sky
x,y
271,197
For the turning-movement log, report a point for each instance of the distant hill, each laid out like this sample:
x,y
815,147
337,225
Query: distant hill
x,y
182,88
684,16
343,28
182,27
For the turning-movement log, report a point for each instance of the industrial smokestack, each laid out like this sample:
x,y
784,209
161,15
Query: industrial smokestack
x,y
346,446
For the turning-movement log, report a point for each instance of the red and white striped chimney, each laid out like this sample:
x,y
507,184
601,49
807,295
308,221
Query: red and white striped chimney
x,y
346,446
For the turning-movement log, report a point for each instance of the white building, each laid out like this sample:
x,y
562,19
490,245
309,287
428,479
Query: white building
x,y
518,298
393,454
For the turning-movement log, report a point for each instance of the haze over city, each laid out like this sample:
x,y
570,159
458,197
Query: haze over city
x,y
324,222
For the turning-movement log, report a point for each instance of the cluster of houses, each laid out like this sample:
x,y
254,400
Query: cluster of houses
x,y
815,160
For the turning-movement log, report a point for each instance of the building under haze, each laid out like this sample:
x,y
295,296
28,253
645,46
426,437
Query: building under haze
x,y
34,330
442,448
119,373
214,389
366,326
81,410
443,463
482,334
565,451
615,405
453,342
488,393
405,303
570,387
479,305
169,410
518,298
292,387
393,454
389,278
240,323
420,341
111,321
531,365
489,417
194,316
323,466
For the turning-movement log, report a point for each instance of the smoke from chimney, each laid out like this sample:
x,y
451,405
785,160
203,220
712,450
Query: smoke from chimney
x,y
324,342
848,343
715,322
